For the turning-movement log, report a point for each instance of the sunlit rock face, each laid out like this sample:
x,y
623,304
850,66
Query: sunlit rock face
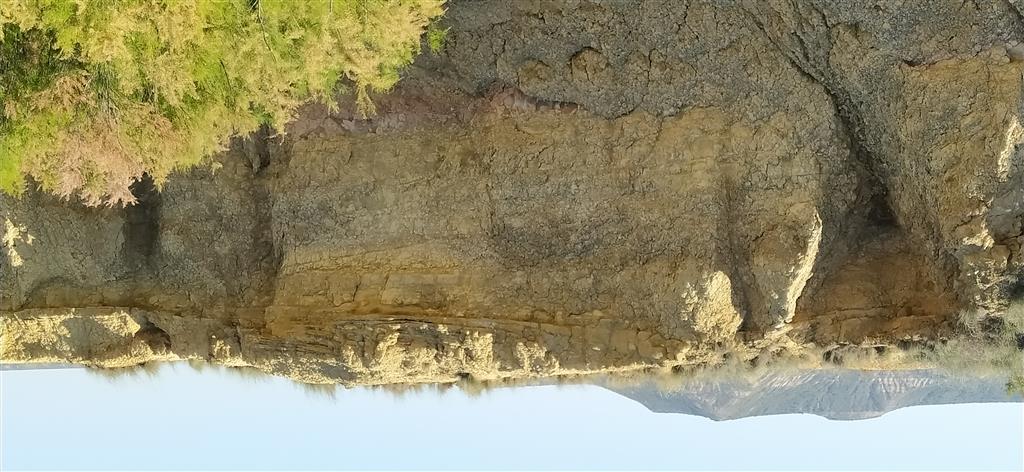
x,y
834,394
571,187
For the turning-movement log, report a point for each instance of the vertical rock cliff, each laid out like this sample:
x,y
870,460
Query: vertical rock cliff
x,y
571,187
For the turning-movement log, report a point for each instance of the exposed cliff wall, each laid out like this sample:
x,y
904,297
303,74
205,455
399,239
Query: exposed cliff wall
x,y
572,187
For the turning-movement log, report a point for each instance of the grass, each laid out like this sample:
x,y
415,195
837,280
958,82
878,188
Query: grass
x,y
988,346
148,369
437,37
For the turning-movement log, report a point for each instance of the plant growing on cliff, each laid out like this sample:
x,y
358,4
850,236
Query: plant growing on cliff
x,y
994,346
1015,385
437,37
95,94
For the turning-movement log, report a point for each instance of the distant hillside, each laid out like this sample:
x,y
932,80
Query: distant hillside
x,y
36,366
834,394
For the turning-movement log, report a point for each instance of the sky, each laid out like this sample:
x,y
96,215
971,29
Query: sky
x,y
183,419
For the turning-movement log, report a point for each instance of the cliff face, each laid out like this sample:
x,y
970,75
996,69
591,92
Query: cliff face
x,y
571,187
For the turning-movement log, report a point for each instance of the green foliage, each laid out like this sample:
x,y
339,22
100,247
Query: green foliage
x,y
1015,385
95,94
436,37
994,350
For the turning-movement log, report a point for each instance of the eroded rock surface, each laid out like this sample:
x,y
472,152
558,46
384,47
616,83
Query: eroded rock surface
x,y
572,187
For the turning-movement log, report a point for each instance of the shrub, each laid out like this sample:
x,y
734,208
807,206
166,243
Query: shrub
x,y
993,349
1015,385
96,94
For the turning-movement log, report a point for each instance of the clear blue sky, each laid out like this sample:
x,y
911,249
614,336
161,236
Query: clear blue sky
x,y
183,419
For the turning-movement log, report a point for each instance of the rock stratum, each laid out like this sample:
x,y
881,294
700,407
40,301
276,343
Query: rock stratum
x,y
572,187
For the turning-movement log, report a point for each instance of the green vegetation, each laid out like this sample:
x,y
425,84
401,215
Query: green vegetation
x,y
436,38
1015,385
988,346
96,94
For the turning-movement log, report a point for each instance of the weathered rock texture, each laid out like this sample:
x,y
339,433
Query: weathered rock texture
x,y
572,186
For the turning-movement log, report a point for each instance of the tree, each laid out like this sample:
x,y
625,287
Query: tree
x,y
97,93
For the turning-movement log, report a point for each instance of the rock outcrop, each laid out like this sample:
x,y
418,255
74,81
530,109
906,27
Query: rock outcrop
x,y
571,187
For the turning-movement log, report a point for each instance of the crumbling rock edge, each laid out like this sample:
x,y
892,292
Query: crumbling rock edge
x,y
395,351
